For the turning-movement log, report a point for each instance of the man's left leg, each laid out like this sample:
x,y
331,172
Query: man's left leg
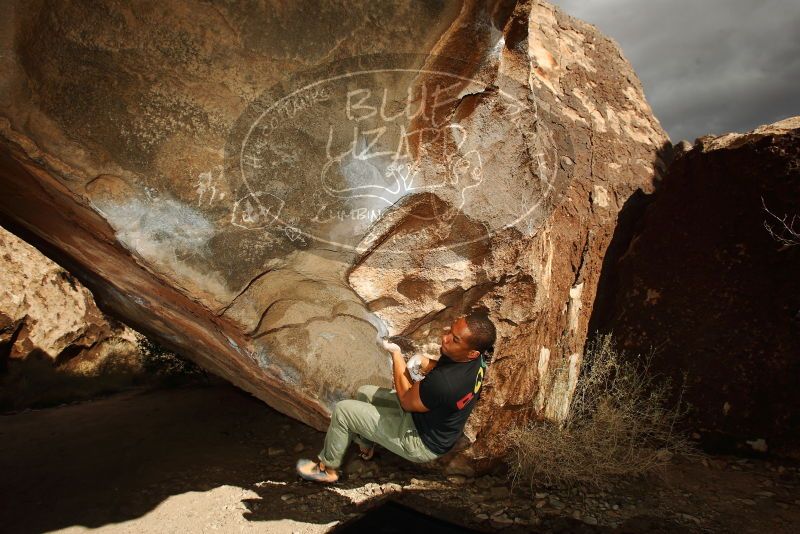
x,y
349,417
384,422
352,418
380,397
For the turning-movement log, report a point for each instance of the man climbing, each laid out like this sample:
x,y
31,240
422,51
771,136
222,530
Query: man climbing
x,y
419,421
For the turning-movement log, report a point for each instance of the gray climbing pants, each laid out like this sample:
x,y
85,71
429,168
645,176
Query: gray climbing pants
x,y
373,417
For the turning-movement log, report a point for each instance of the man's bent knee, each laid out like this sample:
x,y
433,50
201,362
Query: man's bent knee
x,y
366,392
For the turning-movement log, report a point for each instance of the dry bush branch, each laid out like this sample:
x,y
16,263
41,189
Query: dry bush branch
x,y
781,229
618,425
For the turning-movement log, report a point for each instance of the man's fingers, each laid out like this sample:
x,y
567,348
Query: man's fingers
x,y
391,347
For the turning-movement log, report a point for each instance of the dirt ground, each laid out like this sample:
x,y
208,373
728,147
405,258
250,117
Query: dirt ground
x,y
214,459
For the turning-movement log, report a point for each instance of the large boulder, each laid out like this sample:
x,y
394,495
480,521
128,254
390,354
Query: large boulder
x,y
699,277
268,192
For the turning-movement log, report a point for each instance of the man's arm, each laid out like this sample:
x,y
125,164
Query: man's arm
x,y
407,394
428,365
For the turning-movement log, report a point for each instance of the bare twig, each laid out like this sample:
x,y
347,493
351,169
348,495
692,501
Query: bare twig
x,y
782,230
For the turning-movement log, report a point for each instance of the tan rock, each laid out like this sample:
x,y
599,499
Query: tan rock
x,y
52,333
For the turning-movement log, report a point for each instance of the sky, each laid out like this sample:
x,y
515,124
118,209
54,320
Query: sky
x,y
707,66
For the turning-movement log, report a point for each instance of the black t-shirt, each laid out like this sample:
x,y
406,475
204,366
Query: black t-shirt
x,y
450,392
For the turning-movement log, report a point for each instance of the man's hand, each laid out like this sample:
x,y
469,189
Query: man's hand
x,y
391,347
407,394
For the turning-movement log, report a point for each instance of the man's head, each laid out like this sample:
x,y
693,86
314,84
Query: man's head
x,y
468,337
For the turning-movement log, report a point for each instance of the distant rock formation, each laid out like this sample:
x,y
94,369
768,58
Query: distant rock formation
x,y
701,280
52,333
267,193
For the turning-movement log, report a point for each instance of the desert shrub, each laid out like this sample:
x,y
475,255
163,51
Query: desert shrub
x,y
619,424
161,362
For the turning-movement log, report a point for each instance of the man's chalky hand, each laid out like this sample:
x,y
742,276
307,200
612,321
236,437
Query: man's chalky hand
x,y
391,347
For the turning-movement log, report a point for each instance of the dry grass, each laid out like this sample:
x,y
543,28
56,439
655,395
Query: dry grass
x,y
618,425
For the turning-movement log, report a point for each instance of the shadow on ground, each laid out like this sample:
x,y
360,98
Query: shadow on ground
x,y
201,458
118,458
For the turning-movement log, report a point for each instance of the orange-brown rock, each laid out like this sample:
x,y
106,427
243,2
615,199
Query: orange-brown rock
x,y
268,192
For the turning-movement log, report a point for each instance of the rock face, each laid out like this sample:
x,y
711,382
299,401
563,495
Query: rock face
x,y
702,280
267,194
51,331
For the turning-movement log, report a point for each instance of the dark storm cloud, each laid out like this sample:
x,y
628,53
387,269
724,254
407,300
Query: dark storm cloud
x,y
707,66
